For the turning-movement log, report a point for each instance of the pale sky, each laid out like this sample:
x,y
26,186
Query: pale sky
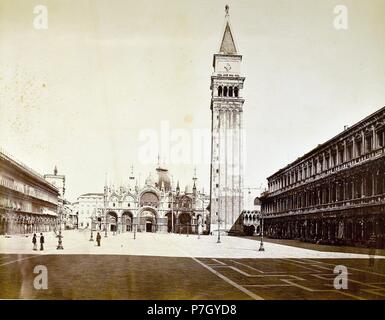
x,y
79,94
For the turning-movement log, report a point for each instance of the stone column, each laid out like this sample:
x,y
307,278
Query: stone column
x,y
363,148
374,140
337,156
373,185
354,148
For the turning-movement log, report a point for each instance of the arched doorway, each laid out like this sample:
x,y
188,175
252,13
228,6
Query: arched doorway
x,y
127,219
170,223
112,221
184,223
2,225
148,220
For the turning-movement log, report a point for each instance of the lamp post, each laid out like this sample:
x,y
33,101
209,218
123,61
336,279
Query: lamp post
x,y
92,222
199,226
92,235
172,209
59,236
105,224
261,247
105,210
219,231
199,229
59,241
135,230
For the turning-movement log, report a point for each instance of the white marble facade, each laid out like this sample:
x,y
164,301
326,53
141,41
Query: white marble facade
x,y
149,208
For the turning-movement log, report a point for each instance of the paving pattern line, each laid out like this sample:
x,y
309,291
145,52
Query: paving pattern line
x,y
218,274
319,290
21,259
46,253
310,263
234,284
247,266
266,285
373,291
220,262
306,265
350,268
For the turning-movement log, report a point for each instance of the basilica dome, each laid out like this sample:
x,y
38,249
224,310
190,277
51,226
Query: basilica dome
x,y
188,189
150,182
164,180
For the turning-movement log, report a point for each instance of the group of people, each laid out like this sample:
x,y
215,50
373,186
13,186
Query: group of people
x,y
34,241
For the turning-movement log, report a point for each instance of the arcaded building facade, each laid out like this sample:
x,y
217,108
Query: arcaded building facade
x,y
334,194
28,203
156,206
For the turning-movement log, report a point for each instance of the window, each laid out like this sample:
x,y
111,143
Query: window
x,y
236,92
220,91
230,91
327,162
380,139
368,143
358,148
341,155
225,91
334,158
349,152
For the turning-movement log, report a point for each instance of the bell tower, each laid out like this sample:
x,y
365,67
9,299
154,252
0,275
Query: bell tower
x,y
226,178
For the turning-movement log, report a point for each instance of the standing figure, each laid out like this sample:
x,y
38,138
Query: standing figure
x,y
41,242
98,238
34,241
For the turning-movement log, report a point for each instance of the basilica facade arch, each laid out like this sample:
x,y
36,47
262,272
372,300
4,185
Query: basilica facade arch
x,y
154,207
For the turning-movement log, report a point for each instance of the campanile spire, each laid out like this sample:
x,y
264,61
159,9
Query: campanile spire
x,y
227,43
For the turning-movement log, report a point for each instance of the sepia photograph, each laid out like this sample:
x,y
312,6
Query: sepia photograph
x,y
175,150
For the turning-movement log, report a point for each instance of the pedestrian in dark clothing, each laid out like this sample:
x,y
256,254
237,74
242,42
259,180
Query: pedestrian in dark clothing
x,y
41,242
98,238
34,241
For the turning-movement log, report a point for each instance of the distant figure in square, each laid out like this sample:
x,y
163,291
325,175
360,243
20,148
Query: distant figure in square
x,y
98,238
41,242
34,241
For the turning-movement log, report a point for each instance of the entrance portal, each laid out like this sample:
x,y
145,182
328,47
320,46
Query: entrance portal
x,y
148,226
148,220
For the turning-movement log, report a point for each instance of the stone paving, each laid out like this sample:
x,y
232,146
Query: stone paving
x,y
172,266
165,245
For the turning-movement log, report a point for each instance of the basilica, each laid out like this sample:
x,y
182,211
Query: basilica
x,y
155,206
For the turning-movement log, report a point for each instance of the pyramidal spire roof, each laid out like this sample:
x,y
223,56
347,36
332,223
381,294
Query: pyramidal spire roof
x,y
227,44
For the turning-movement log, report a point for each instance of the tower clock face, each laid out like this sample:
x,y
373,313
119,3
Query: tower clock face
x,y
227,67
